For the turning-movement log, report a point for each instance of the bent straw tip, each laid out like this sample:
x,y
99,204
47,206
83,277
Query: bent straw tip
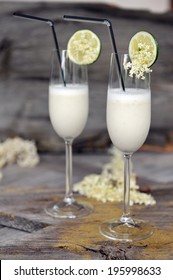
x,y
107,22
18,13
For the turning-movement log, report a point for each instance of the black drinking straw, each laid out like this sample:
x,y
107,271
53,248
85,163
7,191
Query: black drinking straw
x,y
51,24
109,25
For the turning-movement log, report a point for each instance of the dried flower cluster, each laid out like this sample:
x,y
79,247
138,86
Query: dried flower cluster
x,y
139,64
108,186
23,152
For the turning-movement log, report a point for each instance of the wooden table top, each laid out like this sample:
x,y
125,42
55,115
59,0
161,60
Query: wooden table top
x,y
26,192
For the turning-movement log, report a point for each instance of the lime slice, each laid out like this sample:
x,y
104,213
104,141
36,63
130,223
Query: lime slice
x,y
143,47
84,47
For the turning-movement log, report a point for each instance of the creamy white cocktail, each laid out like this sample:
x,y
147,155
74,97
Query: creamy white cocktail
x,y
128,118
68,109
128,123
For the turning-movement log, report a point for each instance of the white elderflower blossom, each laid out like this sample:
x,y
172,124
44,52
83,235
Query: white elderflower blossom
x,y
23,152
139,64
109,185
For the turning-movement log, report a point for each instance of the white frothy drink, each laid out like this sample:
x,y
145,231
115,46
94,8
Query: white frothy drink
x,y
128,118
68,109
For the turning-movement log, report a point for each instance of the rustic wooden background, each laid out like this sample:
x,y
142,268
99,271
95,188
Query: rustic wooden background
x,y
25,48
28,233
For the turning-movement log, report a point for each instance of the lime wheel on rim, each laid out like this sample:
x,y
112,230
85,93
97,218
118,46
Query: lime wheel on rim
x,y
143,45
84,47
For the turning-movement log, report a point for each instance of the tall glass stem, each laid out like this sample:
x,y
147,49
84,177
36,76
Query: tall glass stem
x,y
69,180
126,211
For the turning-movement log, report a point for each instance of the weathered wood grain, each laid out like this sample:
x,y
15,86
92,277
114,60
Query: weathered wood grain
x,y
26,193
20,223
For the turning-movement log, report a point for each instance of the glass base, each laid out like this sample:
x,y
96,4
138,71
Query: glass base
x,y
71,210
127,232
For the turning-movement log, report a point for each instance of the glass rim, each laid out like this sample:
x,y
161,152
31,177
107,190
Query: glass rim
x,y
120,53
61,50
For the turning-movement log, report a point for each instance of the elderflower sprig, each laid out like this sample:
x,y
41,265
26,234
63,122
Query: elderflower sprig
x,y
108,186
139,61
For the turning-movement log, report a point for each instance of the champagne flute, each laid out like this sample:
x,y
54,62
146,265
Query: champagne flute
x,y
68,110
128,123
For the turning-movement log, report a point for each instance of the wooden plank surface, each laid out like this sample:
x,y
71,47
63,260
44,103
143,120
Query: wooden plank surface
x,y
26,192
